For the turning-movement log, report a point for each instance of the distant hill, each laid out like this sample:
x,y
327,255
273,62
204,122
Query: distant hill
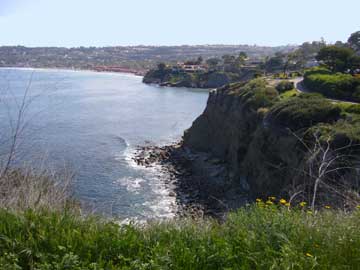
x,y
134,57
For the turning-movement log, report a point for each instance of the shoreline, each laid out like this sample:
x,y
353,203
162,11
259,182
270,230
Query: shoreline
x,y
137,74
176,86
196,180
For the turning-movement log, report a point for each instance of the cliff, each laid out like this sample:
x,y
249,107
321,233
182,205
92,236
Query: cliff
x,y
208,79
258,136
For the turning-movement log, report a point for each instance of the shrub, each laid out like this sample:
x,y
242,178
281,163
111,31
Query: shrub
x,y
337,86
303,111
352,108
284,86
257,93
317,70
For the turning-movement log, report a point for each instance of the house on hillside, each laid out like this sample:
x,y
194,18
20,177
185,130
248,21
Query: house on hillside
x,y
186,67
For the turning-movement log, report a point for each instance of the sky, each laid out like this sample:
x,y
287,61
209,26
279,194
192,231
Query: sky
x,y
73,23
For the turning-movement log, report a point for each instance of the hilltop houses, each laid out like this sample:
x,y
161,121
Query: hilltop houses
x,y
189,67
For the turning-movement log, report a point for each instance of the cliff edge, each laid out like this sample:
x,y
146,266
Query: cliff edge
x,y
264,139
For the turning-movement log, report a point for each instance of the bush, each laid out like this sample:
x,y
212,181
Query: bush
x,y
303,111
257,237
337,86
317,70
284,86
257,93
352,108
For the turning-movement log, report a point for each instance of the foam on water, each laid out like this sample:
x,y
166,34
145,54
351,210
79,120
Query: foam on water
x,y
93,121
164,204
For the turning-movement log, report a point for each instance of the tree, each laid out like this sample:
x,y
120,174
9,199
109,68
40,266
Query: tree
x,y
309,50
228,59
324,170
243,55
337,59
161,66
213,62
230,63
354,41
199,60
354,64
290,58
240,60
274,63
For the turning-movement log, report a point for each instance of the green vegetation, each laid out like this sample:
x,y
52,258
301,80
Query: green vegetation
x,y
337,78
289,94
338,59
337,86
257,94
265,236
140,58
284,86
354,41
41,228
212,73
303,111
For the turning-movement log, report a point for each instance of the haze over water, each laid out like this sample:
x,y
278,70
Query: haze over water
x,y
92,122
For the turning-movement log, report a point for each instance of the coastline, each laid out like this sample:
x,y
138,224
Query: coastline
x,y
196,180
137,74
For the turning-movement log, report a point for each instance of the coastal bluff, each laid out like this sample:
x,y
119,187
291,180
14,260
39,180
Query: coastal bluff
x,y
256,135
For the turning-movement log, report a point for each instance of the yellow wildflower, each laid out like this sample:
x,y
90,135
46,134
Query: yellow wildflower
x,y
302,204
258,200
287,204
282,201
358,207
309,255
272,198
269,202
327,206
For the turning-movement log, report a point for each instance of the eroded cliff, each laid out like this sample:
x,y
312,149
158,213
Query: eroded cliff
x,y
258,137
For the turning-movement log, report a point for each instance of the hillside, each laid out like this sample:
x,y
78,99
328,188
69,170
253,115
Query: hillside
x,y
273,144
137,57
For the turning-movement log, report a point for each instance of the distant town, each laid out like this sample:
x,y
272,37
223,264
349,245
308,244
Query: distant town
x,y
134,59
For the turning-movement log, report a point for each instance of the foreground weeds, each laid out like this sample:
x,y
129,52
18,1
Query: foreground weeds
x,y
255,237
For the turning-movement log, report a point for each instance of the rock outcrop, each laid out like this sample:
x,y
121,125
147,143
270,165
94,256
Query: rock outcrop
x,y
259,156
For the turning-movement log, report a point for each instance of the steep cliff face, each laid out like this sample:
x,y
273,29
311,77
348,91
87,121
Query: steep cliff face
x,y
239,128
225,129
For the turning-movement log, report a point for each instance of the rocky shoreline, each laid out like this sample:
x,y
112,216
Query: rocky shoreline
x,y
197,180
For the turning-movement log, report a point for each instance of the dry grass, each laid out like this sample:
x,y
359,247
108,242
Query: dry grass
x,y
23,189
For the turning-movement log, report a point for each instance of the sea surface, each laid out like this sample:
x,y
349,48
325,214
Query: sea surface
x,y
91,123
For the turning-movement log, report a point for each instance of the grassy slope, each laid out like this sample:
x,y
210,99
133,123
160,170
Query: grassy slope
x,y
256,237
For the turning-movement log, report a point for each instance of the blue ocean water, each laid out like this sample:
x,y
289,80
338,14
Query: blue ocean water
x,y
92,123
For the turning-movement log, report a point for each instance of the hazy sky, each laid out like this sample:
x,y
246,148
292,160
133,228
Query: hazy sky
x,y
168,22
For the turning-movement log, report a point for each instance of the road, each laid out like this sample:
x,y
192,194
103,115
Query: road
x,y
300,87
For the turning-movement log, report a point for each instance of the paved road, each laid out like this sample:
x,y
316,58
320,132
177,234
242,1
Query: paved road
x,y
300,87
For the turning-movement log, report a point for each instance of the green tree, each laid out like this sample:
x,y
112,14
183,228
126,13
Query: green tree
x,y
241,59
354,41
275,63
354,64
213,62
337,59
161,66
228,59
291,59
309,50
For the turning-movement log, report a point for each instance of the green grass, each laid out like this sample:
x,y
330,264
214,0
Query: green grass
x,y
303,111
289,94
253,238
